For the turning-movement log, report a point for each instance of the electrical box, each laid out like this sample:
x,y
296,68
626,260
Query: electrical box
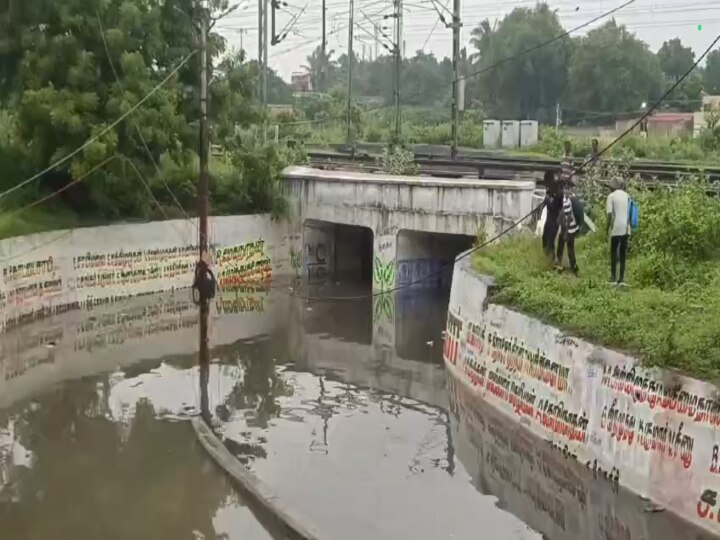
x,y
510,134
491,134
528,133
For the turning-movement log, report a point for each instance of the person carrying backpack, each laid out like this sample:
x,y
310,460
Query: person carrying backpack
x,y
553,206
621,217
571,218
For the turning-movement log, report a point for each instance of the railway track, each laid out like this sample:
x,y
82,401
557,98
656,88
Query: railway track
x,y
505,167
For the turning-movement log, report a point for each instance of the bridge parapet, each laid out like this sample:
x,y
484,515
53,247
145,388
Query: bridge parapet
x,y
387,204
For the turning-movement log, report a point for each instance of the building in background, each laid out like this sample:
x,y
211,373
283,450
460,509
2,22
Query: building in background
x,y
300,82
670,125
709,102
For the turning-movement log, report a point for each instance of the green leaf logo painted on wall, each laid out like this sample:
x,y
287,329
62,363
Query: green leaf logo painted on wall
x,y
296,260
384,274
384,308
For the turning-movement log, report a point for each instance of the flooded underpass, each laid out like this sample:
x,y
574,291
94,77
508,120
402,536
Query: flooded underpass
x,y
343,408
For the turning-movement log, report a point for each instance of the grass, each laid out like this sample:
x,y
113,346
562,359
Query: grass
x,y
36,220
675,327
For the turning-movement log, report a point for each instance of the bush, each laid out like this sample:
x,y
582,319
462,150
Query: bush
x,y
669,315
399,161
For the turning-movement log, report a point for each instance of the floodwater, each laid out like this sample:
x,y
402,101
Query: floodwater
x,y
343,408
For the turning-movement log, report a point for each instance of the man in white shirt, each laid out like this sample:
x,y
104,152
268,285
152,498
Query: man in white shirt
x,y
618,207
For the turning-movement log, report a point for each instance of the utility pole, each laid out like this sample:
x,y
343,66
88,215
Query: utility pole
x,y
241,31
260,46
323,67
350,141
398,66
203,183
203,283
456,25
377,42
265,68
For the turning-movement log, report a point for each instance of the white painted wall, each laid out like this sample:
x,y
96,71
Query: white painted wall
x,y
60,270
657,431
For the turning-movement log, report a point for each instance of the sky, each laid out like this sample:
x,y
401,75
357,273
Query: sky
x,y
654,21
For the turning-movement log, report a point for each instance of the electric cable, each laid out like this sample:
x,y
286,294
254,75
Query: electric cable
x,y
521,220
103,132
139,132
545,43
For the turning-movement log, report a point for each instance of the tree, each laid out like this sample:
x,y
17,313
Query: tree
x,y
530,86
675,60
612,71
422,81
712,73
321,69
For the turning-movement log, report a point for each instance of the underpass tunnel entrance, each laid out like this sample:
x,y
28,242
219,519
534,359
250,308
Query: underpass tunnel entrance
x,y
428,255
337,252
421,304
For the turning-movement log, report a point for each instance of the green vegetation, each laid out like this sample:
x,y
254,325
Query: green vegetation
x,y
668,316
704,149
61,91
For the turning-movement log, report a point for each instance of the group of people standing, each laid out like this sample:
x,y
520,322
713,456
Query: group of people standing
x,y
565,217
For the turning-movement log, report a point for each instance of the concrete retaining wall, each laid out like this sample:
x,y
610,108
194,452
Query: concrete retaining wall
x,y
652,431
53,272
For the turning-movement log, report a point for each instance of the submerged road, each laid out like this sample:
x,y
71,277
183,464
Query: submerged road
x,y
344,410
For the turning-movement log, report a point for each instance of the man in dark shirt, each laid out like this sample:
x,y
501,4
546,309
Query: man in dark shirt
x,y
553,206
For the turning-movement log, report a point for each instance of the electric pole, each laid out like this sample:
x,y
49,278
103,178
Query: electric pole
x,y
398,66
349,83
323,67
265,52
241,31
377,42
260,47
203,184
456,25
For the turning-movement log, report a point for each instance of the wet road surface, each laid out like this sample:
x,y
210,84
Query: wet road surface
x,y
343,409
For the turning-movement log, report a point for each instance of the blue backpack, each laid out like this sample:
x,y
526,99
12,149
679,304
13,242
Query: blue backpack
x,y
633,215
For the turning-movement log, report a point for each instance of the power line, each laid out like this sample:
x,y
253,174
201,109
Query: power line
x,y
545,43
521,220
139,131
103,132
65,187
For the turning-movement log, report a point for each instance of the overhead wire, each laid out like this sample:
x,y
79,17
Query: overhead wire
x,y
545,43
517,223
103,132
139,131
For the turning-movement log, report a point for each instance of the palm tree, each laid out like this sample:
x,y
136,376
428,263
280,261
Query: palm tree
x,y
319,68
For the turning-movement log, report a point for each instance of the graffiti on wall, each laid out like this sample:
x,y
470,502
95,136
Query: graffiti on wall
x,y
317,262
419,273
654,432
243,265
30,282
554,495
36,289
384,261
384,308
243,300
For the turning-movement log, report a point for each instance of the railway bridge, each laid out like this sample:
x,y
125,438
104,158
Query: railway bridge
x,y
394,230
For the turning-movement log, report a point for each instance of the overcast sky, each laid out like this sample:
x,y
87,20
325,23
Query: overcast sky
x,y
654,21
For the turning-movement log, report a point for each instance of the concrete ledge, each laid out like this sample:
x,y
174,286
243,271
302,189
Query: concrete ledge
x,y
308,173
284,520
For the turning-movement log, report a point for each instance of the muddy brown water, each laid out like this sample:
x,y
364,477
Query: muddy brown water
x,y
344,409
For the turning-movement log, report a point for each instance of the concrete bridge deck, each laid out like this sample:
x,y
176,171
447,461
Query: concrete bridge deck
x,y
324,203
